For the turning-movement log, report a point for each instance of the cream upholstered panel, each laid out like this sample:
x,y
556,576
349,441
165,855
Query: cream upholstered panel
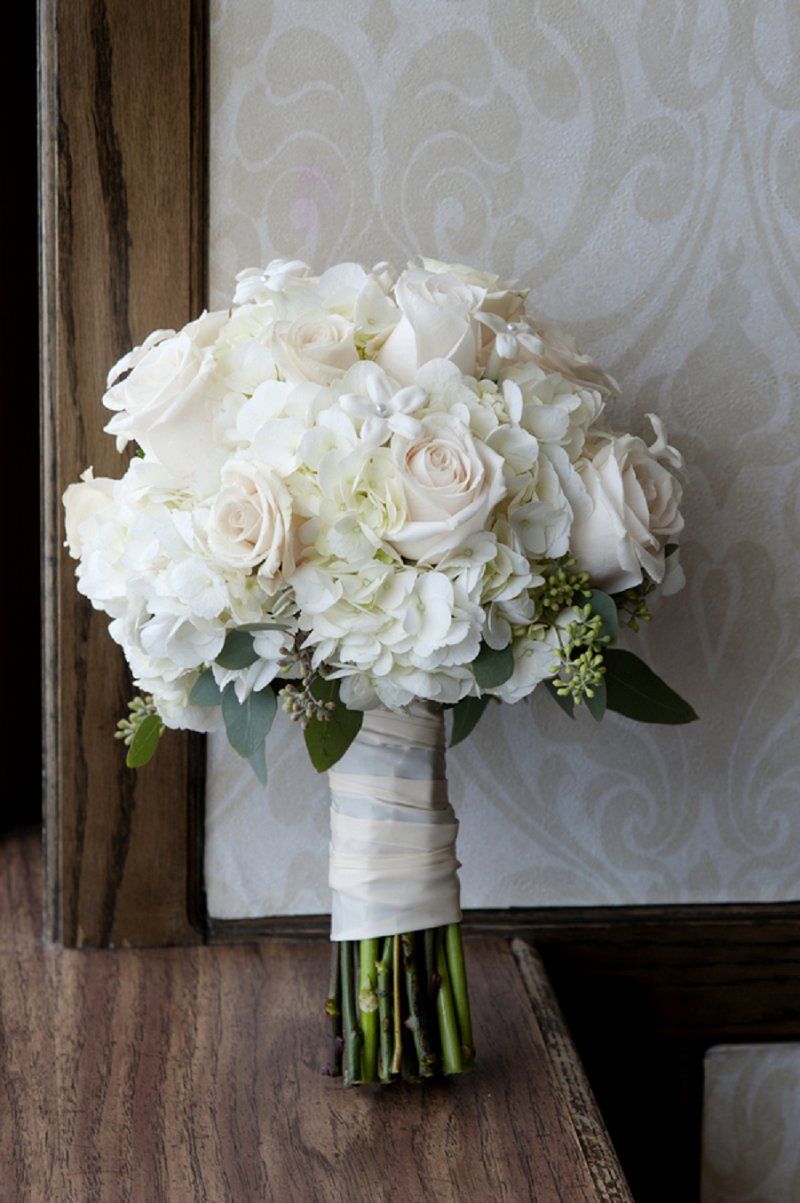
x,y
751,1121
636,164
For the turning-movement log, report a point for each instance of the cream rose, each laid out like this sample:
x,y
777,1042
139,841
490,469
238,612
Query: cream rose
x,y
452,483
83,501
166,401
500,299
437,322
554,350
316,346
250,524
634,511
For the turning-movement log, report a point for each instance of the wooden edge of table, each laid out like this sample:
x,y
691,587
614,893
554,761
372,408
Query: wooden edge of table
x,y
590,1130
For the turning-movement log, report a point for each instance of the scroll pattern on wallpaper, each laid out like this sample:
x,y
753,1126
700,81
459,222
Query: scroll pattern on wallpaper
x,y
636,165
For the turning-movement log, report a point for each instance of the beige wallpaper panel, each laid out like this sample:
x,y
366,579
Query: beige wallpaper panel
x,y
751,1124
636,164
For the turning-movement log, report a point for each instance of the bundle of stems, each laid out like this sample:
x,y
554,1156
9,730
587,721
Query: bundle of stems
x,y
398,1007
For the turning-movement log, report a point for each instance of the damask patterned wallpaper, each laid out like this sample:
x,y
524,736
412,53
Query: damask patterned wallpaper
x,y
636,165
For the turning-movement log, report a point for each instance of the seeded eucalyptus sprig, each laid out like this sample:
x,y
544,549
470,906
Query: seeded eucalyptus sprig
x,y
140,708
141,731
581,655
563,586
633,605
297,698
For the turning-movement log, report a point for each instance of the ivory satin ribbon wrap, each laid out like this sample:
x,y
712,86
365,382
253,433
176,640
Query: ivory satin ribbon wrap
x,y
393,865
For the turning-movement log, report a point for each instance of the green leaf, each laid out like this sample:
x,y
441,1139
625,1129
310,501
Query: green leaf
x,y
669,550
247,723
262,626
327,740
238,651
466,715
145,741
491,667
634,690
597,705
258,763
565,702
205,691
605,606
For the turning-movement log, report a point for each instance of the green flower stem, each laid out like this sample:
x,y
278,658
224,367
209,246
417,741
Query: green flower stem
x,y
445,1009
350,1028
333,1009
458,982
385,1011
430,961
398,1007
397,1016
416,1021
368,1008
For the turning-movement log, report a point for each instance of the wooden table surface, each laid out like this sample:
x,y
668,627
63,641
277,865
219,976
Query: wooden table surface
x,y
183,1075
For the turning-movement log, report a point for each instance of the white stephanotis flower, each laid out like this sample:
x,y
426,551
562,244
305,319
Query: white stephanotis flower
x,y
382,409
255,284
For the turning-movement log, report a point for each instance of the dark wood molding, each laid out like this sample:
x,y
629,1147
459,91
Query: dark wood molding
x,y
693,922
123,127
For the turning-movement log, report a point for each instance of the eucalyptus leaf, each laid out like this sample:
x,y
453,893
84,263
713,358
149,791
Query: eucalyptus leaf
x,y
466,715
145,741
248,723
565,702
606,608
238,651
327,740
205,691
492,667
597,705
634,690
258,763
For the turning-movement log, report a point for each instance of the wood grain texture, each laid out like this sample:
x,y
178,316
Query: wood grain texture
x,y
191,1074
671,980
587,1121
122,133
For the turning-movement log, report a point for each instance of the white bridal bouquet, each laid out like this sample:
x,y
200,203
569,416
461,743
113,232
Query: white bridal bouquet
x,y
377,497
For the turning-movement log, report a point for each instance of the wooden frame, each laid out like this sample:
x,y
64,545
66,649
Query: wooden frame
x,y
123,228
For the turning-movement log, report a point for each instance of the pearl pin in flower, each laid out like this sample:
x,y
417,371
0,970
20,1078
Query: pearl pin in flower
x,y
382,407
